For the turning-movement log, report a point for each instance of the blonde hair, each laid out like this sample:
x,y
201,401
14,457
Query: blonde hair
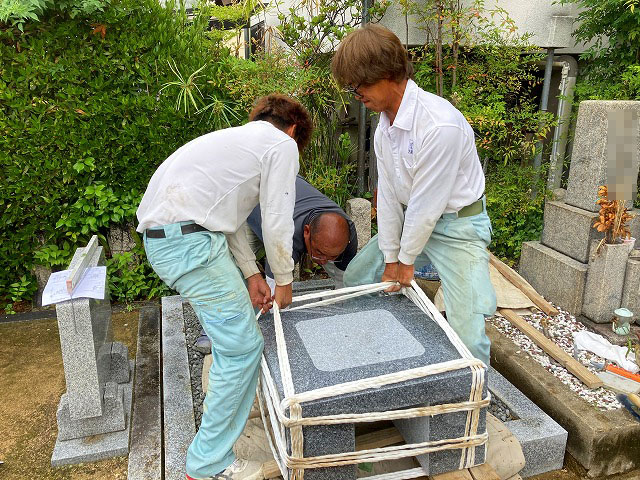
x,y
370,54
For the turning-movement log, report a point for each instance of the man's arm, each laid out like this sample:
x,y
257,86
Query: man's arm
x,y
277,201
241,250
436,168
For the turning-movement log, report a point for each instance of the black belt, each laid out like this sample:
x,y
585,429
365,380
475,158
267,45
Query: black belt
x,y
186,229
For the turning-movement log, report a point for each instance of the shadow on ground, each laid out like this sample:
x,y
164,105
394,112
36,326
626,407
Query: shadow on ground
x,y
31,383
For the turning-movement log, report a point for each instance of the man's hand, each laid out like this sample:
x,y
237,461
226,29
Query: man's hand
x,y
397,272
405,274
390,274
283,295
259,292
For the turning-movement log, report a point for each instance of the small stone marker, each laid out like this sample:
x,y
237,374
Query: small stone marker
x,y
94,415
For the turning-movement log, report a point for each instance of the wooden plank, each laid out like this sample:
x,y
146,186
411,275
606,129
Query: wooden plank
x,y
562,357
76,274
511,275
270,470
379,439
484,472
455,475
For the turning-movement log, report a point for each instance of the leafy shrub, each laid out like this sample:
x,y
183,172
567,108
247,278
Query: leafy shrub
x,y
83,124
515,216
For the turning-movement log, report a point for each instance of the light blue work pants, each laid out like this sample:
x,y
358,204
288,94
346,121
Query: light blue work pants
x,y
200,268
457,248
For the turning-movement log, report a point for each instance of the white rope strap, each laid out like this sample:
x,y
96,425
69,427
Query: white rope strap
x,y
295,421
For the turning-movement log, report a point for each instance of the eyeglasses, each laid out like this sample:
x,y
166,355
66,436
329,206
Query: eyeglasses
x,y
320,257
354,90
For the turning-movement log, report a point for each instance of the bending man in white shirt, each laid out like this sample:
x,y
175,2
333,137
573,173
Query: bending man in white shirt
x,y
193,214
430,185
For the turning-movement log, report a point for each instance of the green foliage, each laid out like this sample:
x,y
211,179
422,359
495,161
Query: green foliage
x,y
19,12
84,124
515,217
131,279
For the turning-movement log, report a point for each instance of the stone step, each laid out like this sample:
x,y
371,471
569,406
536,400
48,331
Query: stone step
x,y
557,277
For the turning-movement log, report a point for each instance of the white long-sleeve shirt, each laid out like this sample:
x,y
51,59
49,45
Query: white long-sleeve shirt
x,y
217,179
427,162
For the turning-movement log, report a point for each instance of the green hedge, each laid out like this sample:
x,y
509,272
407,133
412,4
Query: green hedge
x,y
83,125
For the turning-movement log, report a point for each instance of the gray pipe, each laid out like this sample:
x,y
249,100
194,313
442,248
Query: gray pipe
x,y
559,147
362,122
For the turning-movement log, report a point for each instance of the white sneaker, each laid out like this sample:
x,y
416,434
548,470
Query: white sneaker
x,y
240,469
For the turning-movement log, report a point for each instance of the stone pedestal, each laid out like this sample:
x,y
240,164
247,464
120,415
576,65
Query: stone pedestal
x,y
569,230
557,277
359,210
605,280
363,338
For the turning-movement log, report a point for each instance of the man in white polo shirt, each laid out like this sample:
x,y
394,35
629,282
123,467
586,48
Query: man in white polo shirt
x,y
430,185
193,215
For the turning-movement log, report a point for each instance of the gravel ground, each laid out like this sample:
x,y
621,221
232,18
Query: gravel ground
x,y
561,329
192,332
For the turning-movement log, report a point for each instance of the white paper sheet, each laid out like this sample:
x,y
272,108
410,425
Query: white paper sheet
x,y
91,285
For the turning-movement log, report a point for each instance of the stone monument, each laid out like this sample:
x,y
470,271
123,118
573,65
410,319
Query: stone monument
x,y
363,338
558,266
94,415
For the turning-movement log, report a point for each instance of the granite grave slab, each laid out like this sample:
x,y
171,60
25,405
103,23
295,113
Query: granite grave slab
x,y
362,338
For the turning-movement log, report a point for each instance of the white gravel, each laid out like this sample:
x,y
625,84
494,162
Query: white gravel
x,y
561,329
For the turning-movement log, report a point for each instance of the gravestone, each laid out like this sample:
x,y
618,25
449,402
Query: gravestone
x,y
94,414
557,267
367,337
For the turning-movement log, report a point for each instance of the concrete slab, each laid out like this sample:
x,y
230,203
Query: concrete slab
x,y
178,420
101,446
543,440
604,443
557,277
145,455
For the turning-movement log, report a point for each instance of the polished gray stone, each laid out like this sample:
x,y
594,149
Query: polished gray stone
x,y
179,422
449,387
605,279
145,455
557,277
569,230
543,441
589,156
631,289
97,447
373,336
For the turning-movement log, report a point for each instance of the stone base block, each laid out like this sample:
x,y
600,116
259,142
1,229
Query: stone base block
x,y
97,447
329,439
543,441
560,279
569,230
359,210
631,289
111,420
115,355
603,289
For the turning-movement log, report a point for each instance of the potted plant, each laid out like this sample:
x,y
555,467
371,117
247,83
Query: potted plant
x,y
608,261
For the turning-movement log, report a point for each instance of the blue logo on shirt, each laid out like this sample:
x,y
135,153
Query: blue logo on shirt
x,y
411,146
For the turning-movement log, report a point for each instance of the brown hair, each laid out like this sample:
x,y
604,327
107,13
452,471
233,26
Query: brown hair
x,y
370,54
282,112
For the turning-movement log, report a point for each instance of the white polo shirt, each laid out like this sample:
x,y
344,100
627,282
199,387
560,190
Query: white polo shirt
x,y
217,179
427,162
